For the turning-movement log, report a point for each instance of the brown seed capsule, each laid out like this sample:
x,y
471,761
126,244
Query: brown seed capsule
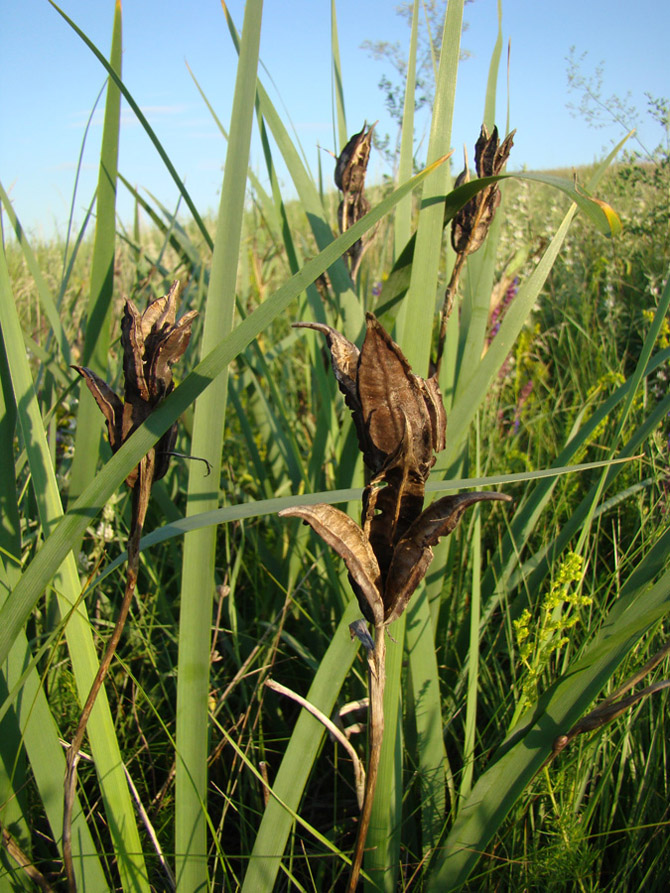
x,y
350,170
352,162
470,226
400,422
152,343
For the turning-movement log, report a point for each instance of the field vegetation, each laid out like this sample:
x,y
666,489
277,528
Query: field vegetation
x,y
525,741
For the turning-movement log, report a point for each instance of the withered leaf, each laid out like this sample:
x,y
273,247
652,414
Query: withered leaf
x,y
109,403
413,554
132,340
344,359
392,397
162,312
167,351
391,502
490,154
381,391
346,538
350,170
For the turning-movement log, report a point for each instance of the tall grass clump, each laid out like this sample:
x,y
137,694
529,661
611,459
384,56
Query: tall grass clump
x,y
513,686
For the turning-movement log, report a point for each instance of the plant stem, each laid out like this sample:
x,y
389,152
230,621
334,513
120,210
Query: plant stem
x,y
141,494
376,681
448,305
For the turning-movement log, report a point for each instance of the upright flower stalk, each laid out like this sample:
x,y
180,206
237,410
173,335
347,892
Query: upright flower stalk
x,y
152,342
400,423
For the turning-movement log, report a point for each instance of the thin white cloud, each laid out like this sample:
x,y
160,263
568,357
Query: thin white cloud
x,y
128,119
71,166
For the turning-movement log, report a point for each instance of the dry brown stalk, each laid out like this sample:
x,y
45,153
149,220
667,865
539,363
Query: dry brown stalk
x,y
614,705
23,861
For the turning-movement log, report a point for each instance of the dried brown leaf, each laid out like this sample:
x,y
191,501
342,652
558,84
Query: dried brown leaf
x,y
345,537
344,359
401,423
413,554
161,312
391,502
109,403
167,351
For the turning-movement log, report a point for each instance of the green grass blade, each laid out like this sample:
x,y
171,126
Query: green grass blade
x,y
403,214
480,270
253,179
46,298
118,806
256,508
431,757
598,213
68,262
198,582
95,353
14,811
143,121
492,82
299,759
30,723
497,578
470,728
383,841
419,303
475,386
36,577
310,200
338,89
531,741
579,516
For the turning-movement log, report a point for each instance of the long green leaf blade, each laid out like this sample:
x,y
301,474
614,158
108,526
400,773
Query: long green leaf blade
x,y
531,741
95,352
104,745
198,583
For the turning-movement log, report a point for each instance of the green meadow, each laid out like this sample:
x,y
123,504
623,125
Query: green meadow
x,y
525,739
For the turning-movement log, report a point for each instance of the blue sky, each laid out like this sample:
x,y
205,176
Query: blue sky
x,y
49,81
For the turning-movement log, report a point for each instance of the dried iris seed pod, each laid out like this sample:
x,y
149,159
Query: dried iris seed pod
x,y
400,423
470,226
350,169
152,343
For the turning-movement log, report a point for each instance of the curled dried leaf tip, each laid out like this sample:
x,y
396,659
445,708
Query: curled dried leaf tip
x,y
401,424
470,226
152,343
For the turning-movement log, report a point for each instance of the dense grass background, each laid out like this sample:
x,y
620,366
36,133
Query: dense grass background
x,y
571,368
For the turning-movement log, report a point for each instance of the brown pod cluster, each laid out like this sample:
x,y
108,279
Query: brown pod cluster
x,y
152,343
470,226
401,424
350,169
